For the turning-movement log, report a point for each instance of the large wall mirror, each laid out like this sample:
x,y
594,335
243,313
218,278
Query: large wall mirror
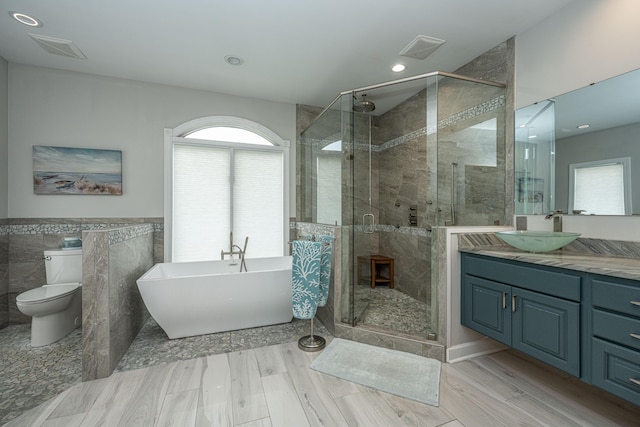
x,y
580,152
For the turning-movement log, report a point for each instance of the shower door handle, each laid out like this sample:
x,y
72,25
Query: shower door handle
x,y
371,227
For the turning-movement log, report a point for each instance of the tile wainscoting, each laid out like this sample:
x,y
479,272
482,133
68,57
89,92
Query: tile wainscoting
x,y
23,241
112,308
116,251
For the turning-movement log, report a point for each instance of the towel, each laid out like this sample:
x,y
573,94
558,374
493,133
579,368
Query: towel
x,y
305,278
325,268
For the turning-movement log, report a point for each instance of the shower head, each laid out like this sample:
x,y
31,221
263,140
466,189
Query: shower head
x,y
363,106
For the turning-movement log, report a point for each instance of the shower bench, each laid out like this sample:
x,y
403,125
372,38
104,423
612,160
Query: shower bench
x,y
375,262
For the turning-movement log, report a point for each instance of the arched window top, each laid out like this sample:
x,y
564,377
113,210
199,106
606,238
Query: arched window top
x,y
229,128
228,134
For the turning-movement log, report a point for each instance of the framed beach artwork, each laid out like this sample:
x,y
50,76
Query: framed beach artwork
x,y
65,170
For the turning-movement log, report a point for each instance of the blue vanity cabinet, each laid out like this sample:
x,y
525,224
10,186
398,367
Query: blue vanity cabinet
x,y
547,328
615,363
485,308
534,310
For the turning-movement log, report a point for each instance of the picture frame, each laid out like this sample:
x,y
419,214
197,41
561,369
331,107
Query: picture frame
x,y
76,171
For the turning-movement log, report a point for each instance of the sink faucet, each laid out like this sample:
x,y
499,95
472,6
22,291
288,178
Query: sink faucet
x,y
557,219
240,252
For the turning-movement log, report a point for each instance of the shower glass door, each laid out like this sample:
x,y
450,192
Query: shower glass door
x,y
364,236
391,241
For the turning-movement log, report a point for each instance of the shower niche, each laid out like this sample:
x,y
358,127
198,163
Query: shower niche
x,y
390,164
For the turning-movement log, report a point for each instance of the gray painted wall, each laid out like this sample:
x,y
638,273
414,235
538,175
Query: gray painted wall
x,y
61,108
4,136
4,234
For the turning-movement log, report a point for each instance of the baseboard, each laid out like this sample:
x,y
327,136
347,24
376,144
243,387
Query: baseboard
x,y
468,350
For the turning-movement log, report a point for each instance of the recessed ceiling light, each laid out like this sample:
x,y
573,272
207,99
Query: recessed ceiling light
x,y
583,126
233,60
533,136
398,68
25,19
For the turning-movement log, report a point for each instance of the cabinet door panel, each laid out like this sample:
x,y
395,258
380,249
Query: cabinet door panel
x,y
547,328
616,369
484,308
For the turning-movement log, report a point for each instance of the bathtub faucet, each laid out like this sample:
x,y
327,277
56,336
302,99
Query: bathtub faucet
x,y
240,252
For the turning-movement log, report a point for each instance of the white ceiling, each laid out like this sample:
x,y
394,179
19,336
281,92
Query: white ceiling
x,y
294,51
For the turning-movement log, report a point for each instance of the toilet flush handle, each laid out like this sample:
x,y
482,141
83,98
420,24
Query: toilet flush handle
x,y
47,258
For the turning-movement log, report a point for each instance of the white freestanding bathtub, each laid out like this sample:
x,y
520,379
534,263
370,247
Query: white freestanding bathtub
x,y
195,298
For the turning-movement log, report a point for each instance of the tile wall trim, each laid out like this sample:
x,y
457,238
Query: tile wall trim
x,y
129,232
19,226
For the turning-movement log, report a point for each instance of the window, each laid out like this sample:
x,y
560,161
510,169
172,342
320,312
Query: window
x,y
222,179
602,187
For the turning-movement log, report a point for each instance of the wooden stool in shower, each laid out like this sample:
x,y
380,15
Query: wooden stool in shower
x,y
375,262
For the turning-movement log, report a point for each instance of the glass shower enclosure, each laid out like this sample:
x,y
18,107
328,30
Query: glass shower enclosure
x,y
390,164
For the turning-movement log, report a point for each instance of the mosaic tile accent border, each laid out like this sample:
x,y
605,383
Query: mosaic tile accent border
x,y
321,229
130,232
4,229
411,231
64,226
44,228
477,110
403,139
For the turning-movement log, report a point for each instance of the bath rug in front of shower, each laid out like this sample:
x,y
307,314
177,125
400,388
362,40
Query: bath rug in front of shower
x,y
402,374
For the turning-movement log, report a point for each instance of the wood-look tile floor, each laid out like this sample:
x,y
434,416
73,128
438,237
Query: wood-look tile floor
x,y
273,386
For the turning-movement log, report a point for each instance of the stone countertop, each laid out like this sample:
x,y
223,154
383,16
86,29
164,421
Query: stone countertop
x,y
626,268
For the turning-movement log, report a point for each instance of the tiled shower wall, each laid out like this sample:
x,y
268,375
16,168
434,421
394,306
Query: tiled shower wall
x,y
23,241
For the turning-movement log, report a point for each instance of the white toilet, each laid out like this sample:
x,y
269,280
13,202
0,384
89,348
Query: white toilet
x,y
56,308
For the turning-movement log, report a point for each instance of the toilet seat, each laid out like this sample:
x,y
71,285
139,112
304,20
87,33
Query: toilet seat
x,y
47,293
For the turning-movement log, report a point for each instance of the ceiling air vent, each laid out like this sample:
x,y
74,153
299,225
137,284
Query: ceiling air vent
x,y
421,47
58,46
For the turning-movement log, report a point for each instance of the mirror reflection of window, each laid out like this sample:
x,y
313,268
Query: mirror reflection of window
x,y
599,121
601,187
329,184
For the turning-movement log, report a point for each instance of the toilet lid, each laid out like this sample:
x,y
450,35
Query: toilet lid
x,y
46,293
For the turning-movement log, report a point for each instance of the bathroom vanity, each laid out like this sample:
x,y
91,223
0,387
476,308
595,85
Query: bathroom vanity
x,y
578,313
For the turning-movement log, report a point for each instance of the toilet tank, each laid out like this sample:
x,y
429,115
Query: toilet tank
x,y
63,266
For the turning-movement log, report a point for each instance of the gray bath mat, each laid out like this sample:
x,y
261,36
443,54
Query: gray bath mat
x,y
403,374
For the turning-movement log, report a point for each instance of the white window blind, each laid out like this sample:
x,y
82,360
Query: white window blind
x,y
201,202
257,202
599,189
329,184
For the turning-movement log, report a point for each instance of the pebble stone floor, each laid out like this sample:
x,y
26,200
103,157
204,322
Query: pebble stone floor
x,y
31,376
391,309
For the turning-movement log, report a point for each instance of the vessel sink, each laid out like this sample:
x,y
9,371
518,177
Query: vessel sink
x,y
537,241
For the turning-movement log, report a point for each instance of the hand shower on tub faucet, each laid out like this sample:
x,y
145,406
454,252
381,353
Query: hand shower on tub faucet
x,y
240,252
